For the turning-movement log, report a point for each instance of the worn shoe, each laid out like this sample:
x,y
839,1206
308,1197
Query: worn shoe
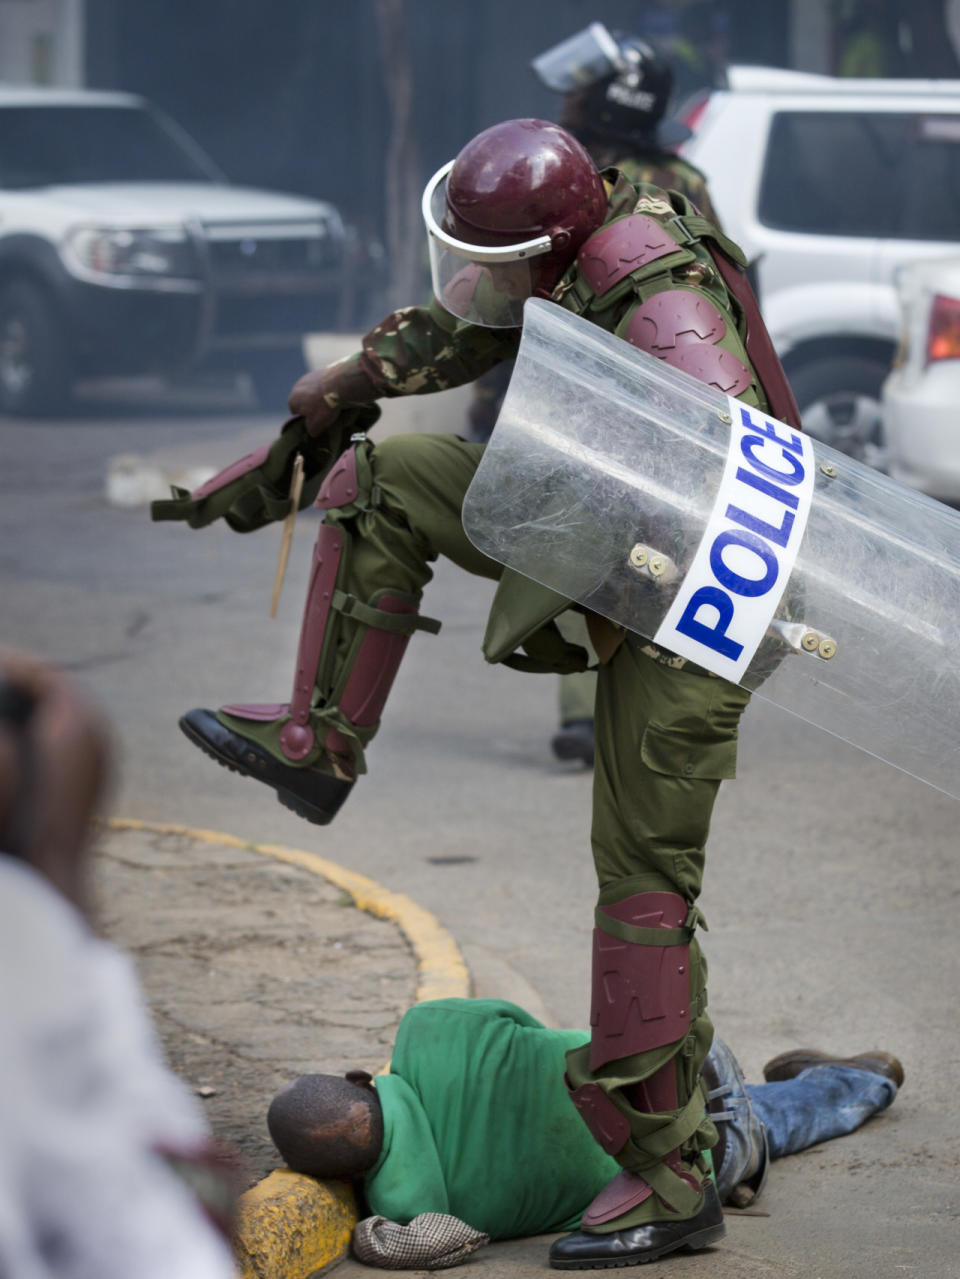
x,y
574,740
311,793
640,1244
789,1064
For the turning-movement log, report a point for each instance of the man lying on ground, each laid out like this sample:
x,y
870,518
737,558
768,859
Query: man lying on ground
x,y
473,1123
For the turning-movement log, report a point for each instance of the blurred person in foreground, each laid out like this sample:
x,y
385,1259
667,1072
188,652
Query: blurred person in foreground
x,y
522,212
615,92
471,1136
107,1170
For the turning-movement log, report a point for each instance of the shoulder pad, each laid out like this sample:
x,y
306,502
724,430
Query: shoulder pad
x,y
682,328
617,250
713,365
674,318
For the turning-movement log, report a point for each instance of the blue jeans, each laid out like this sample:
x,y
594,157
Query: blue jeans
x,y
820,1103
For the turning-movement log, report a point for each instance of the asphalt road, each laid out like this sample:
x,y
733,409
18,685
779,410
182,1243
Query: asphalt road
x,y
832,883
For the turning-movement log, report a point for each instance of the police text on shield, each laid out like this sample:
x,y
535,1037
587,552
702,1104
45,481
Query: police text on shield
x,y
730,593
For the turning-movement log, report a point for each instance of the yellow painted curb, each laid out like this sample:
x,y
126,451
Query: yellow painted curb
x,y
290,1226
441,972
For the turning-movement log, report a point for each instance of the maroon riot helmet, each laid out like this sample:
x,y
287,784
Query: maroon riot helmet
x,y
507,216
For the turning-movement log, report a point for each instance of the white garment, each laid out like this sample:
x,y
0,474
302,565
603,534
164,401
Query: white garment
x,y
85,1098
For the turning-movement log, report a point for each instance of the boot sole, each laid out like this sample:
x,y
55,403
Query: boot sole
x,y
702,1239
296,803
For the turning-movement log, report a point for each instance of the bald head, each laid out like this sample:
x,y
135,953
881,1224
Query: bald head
x,y
327,1126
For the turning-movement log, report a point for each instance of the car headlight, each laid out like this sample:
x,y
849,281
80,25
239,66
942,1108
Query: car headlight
x,y
113,254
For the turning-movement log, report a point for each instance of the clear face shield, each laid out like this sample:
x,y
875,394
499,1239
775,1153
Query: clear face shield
x,y
591,55
480,283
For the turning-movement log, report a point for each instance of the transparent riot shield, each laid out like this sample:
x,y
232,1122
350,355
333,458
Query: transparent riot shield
x,y
698,522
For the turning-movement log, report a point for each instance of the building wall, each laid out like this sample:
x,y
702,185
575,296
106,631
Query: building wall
x,y
41,42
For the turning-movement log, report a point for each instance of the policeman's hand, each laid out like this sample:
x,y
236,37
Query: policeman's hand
x,y
255,490
324,395
314,399
54,759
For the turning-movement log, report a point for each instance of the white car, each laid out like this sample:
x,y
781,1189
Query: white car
x,y
921,396
124,250
830,185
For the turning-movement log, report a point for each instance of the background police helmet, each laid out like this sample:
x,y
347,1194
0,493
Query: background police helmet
x,y
628,104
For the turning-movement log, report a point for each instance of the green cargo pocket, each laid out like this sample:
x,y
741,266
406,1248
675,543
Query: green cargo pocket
x,y
681,753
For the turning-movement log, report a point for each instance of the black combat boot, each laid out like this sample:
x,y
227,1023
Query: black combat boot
x,y
312,793
639,1244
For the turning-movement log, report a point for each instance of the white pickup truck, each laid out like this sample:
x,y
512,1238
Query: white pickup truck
x,y
124,251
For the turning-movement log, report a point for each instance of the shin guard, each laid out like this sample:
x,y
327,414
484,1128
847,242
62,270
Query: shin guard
x,y
356,644
643,1002
641,976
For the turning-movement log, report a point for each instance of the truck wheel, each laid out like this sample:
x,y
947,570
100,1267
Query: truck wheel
x,y
273,375
35,375
839,402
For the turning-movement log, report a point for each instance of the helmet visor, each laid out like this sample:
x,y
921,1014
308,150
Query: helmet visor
x,y
591,55
484,284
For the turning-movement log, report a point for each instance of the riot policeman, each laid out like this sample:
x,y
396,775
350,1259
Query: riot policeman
x,y
523,212
616,90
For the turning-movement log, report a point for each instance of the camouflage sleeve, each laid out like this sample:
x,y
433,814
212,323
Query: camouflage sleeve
x,y
417,350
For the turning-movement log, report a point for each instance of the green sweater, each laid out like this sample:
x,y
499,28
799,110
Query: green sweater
x,y
477,1123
